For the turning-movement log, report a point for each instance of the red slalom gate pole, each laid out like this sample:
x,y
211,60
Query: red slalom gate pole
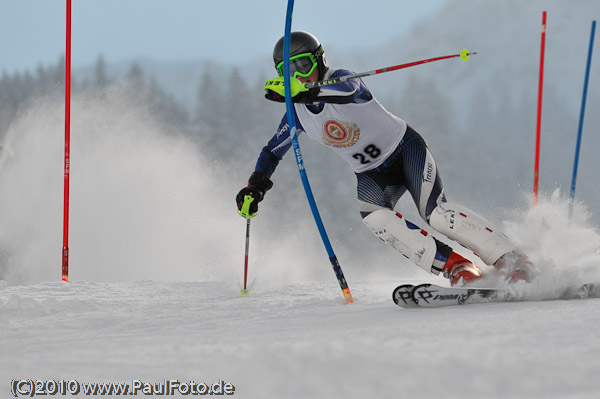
x,y
539,114
65,249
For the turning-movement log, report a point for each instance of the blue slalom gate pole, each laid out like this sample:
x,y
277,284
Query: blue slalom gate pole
x,y
582,113
298,155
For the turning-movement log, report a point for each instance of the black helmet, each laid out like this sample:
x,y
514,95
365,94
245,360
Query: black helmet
x,y
301,43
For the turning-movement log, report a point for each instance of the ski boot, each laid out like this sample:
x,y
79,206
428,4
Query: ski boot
x,y
516,266
460,270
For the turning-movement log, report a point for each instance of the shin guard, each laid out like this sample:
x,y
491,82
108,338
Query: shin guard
x,y
470,230
406,238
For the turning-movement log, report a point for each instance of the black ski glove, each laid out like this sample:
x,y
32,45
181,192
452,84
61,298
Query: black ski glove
x,y
273,96
306,97
258,185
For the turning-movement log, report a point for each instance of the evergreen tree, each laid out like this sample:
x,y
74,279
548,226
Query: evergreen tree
x,y
101,79
208,113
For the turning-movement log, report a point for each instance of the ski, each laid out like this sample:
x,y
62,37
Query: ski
x,y
433,296
403,296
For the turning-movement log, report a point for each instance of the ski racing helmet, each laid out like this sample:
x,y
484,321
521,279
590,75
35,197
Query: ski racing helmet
x,y
306,54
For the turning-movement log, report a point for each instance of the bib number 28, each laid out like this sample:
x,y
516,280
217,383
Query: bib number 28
x,y
370,152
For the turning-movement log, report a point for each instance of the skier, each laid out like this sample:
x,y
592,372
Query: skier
x,y
389,158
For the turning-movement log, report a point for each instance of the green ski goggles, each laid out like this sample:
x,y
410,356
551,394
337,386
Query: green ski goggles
x,y
300,65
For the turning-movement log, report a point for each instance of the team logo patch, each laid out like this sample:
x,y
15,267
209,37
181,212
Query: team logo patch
x,y
340,134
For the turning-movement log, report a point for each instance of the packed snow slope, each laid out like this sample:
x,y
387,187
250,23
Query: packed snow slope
x,y
298,341
157,260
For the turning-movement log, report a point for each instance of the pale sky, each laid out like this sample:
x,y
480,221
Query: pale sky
x,y
32,32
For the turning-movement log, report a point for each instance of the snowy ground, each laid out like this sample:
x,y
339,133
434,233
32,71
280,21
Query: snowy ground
x,y
300,341
155,271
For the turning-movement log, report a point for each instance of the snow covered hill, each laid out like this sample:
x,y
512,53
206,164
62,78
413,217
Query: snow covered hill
x,y
297,341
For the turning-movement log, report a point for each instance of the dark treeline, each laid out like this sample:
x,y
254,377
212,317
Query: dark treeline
x,y
17,90
227,117
231,121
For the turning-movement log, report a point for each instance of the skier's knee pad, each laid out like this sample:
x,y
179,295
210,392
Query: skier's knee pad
x,y
470,230
406,238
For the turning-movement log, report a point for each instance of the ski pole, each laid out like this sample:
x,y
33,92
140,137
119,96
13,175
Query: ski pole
x,y
245,211
464,55
244,291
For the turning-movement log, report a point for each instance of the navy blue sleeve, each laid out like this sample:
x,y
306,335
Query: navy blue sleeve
x,y
350,91
276,148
